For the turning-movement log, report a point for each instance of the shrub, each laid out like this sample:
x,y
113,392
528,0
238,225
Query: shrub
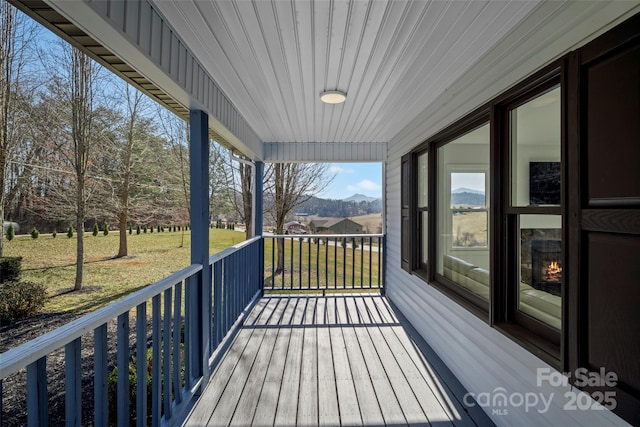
x,y
10,269
158,228
112,381
54,233
151,229
95,229
35,233
105,229
70,232
11,232
20,299
145,229
130,230
137,229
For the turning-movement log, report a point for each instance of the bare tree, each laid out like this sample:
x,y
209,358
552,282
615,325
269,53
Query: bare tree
x,y
16,33
233,178
75,135
289,185
176,132
82,96
129,155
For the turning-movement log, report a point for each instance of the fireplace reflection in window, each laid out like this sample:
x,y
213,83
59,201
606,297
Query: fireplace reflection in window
x,y
541,274
546,265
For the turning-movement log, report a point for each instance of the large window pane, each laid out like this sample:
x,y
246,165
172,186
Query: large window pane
x,y
535,151
469,209
541,268
462,224
422,180
424,247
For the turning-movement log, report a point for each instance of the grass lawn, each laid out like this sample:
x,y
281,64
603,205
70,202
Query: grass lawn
x,y
152,256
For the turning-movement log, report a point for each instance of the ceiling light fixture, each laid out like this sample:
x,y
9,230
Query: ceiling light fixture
x,y
333,96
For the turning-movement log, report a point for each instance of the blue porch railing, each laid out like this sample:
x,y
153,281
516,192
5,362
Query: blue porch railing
x,y
170,335
172,351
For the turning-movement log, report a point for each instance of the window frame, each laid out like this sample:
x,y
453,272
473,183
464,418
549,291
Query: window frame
x,y
426,272
531,333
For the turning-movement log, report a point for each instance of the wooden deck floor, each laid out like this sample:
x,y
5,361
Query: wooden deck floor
x,y
330,361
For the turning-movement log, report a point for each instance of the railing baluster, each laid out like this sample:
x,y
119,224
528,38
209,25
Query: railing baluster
x,y
227,295
370,258
37,396
123,369
379,263
344,263
100,385
326,263
73,383
156,385
273,263
353,263
317,242
166,347
292,267
217,303
177,338
300,264
335,263
362,262
236,289
309,263
141,365
283,263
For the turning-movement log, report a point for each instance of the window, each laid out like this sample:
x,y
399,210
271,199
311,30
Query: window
x,y
534,215
423,208
469,213
462,255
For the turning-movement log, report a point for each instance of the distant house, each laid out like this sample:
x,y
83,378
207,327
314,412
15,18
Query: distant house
x,y
295,227
335,226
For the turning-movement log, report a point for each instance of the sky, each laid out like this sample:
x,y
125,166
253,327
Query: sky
x,y
352,178
471,180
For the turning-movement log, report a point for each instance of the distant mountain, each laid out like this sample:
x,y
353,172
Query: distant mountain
x,y
360,198
467,197
467,190
341,208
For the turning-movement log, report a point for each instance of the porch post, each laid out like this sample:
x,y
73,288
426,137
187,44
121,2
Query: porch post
x,y
200,297
258,211
258,200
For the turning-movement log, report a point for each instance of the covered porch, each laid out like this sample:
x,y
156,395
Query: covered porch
x,y
249,75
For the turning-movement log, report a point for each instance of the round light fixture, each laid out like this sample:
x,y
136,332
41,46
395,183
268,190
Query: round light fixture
x,y
333,96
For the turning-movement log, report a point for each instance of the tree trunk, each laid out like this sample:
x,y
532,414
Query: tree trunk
x,y
122,226
80,234
247,199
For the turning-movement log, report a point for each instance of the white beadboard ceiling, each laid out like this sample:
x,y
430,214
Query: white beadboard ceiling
x,y
392,58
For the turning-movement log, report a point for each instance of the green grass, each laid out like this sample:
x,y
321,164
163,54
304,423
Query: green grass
x,y
151,257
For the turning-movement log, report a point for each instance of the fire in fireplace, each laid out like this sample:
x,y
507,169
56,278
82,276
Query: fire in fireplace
x,y
546,265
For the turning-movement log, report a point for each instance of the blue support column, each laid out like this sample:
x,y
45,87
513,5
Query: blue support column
x,y
258,207
200,297
258,213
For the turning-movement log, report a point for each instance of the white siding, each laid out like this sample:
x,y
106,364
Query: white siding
x,y
325,152
480,356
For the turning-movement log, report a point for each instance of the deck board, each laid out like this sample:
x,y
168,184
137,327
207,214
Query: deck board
x,y
328,361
